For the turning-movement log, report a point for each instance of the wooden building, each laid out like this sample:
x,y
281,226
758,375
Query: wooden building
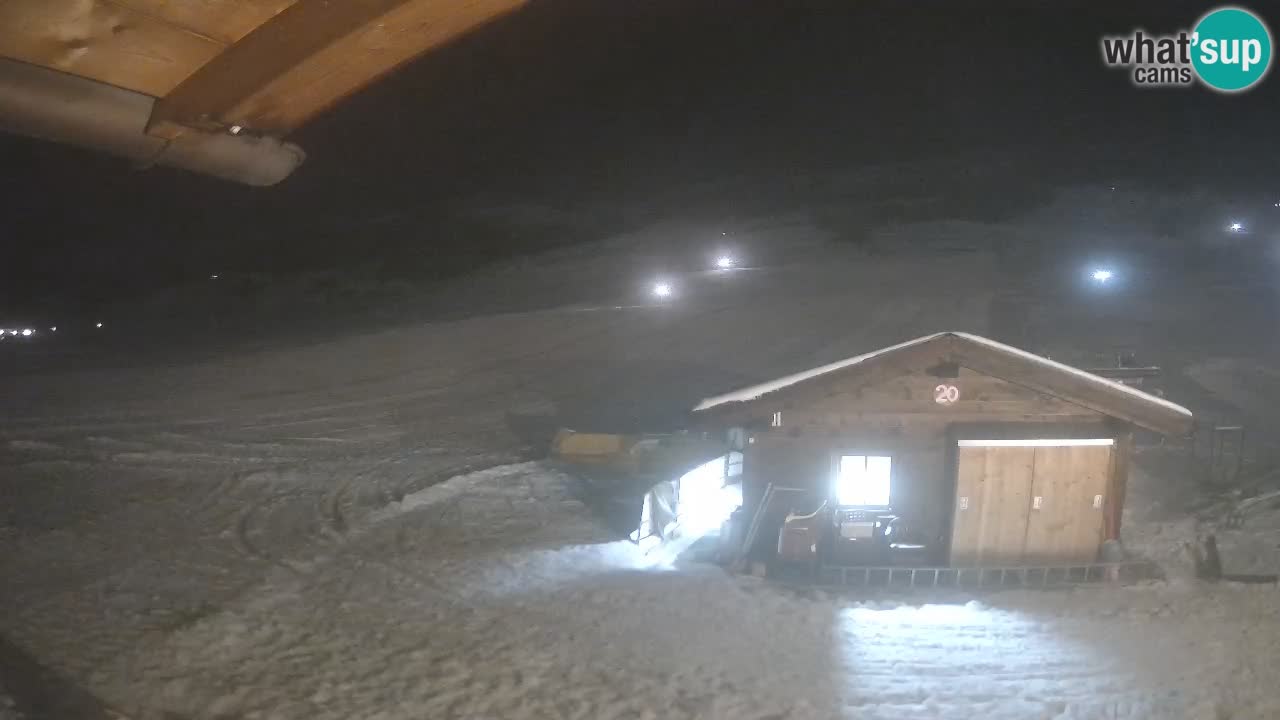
x,y
975,452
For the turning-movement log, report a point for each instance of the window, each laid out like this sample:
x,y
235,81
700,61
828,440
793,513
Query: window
x,y
777,419
863,480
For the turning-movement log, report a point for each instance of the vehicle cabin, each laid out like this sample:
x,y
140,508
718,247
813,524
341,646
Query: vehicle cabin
x,y
950,449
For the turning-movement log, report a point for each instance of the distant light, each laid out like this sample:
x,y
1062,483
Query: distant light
x,y
724,262
1102,275
13,332
53,328
213,277
1236,227
236,129
662,290
98,325
27,332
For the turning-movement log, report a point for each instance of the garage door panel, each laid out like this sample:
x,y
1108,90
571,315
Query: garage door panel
x,y
992,494
1067,526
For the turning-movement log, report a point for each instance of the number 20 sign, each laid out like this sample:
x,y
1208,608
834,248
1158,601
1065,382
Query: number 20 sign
x,y
946,394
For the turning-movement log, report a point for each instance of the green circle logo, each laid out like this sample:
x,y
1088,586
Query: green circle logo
x,y
1231,49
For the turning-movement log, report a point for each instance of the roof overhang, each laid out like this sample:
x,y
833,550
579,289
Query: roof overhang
x,y
229,67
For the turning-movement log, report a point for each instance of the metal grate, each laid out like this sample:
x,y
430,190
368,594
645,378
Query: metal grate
x,y
987,577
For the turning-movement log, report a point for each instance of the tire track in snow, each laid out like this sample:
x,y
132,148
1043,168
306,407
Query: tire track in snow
x,y
244,527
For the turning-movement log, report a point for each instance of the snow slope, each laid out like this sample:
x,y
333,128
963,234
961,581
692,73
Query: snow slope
x,y
346,530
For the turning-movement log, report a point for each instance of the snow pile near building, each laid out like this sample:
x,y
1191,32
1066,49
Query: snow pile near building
x,y
1171,507
1158,524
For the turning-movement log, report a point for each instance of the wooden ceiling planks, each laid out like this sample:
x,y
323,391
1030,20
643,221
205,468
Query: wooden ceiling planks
x,y
269,65
225,21
313,55
103,40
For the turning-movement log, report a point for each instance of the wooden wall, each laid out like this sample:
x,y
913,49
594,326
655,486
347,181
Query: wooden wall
x,y
899,417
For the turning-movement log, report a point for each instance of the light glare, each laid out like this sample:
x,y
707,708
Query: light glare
x,y
27,332
705,501
724,262
1236,227
1102,275
863,480
662,289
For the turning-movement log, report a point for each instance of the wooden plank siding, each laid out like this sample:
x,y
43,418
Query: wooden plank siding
x,y
991,522
997,520
969,354
1067,527
898,417
886,404
908,399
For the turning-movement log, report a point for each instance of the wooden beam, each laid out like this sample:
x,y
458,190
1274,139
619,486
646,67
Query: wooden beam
x,y
310,56
1119,486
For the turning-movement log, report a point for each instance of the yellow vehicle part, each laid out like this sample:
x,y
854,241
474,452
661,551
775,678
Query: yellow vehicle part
x,y
591,448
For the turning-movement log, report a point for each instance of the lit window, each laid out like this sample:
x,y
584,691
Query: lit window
x,y
777,419
863,480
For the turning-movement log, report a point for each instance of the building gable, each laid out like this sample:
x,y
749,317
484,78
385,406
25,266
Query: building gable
x,y
1005,382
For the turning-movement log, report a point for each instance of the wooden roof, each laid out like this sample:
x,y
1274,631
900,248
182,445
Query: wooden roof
x,y
265,65
991,358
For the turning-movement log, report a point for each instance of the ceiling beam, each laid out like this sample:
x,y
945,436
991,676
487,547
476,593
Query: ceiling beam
x,y
310,56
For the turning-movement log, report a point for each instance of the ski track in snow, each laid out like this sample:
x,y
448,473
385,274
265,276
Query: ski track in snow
x,y
339,532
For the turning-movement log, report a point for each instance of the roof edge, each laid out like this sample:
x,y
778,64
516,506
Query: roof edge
x,y
759,390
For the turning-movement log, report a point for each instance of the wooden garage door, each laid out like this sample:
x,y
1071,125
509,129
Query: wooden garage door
x,y
1071,483
1029,501
993,493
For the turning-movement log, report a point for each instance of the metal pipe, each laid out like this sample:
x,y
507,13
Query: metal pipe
x,y
52,105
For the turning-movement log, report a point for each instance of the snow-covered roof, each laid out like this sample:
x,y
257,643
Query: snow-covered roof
x,y
756,391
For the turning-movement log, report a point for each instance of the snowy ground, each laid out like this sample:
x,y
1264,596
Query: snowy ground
x,y
349,528
494,595
8,707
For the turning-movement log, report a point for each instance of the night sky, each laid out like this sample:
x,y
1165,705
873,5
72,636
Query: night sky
x,y
597,108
